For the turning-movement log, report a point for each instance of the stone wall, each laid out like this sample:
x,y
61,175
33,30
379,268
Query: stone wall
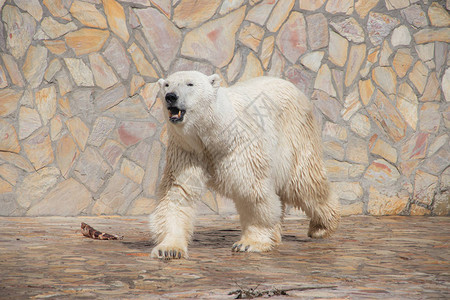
x,y
82,130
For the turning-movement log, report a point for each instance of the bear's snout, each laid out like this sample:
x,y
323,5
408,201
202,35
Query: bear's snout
x,y
171,98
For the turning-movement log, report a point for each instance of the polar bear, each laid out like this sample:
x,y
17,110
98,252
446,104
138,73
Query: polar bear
x,y
256,143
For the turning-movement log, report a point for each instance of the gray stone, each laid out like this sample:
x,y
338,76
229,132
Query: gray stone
x,y
92,170
110,97
102,127
116,55
36,185
20,29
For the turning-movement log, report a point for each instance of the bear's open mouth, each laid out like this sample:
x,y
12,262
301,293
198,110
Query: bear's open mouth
x,y
175,114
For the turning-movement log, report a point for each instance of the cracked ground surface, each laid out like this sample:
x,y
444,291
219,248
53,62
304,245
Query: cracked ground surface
x,y
369,257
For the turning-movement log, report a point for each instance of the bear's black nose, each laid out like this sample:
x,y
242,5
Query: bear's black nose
x,y
171,98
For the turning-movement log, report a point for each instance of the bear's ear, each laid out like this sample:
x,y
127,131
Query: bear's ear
x,y
214,80
161,82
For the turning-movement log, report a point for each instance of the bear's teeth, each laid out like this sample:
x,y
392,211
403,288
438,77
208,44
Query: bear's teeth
x,y
179,114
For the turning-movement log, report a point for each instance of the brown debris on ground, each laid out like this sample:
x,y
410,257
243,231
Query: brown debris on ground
x,y
92,233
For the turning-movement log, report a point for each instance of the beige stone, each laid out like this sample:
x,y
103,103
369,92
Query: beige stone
x,y
116,19
432,91
385,53
191,13
13,70
335,131
385,78
35,64
19,28
9,98
334,149
54,29
291,39
66,154
429,117
252,68
350,29
152,170
57,47
339,6
407,104
217,39
79,131
116,55
158,28
385,202
437,144
9,173
86,40
32,7
92,170
402,61
68,198
355,60
415,147
17,160
230,5
379,26
337,49
328,105
419,75
135,84
130,108
311,5
53,67
260,12
323,81
251,36
103,74
382,173
87,14
384,150
279,15
45,100
64,83
386,117
357,151
38,148
337,170
400,36
132,171
8,137
29,121
352,209
64,105
3,80
36,185
363,7
266,50
117,196
424,187
317,31
347,190
360,124
366,89
101,129
312,60
351,104
417,210
446,84
57,9
56,126
430,35
277,64
80,72
438,15
142,206
112,151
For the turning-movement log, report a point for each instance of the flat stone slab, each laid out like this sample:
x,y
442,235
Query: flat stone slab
x,y
369,257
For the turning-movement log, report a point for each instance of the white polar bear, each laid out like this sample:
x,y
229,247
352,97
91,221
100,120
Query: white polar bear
x,y
255,142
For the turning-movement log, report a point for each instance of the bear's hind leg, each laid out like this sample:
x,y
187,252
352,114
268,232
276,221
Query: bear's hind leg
x,y
261,224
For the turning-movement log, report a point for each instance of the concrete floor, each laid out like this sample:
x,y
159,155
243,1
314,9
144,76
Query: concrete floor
x,y
387,257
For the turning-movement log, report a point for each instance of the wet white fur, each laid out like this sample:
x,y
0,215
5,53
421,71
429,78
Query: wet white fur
x,y
255,142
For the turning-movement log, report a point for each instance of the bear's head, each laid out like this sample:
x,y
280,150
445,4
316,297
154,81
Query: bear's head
x,y
186,92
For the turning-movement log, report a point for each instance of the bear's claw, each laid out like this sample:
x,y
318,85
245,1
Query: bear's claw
x,y
168,253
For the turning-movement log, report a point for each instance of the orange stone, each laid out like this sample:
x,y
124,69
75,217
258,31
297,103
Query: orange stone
x,y
57,47
86,40
116,18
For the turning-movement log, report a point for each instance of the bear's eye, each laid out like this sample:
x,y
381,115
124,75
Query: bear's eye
x,y
167,84
190,84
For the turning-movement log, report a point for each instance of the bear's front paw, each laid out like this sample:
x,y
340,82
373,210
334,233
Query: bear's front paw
x,y
251,246
169,252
